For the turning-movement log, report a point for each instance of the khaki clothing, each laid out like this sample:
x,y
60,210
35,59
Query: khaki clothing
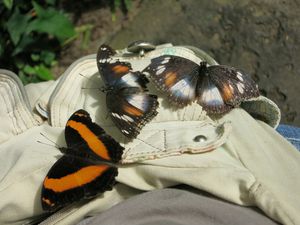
x,y
241,160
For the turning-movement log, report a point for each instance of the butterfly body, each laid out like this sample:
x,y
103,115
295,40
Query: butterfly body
x,y
217,88
88,166
127,99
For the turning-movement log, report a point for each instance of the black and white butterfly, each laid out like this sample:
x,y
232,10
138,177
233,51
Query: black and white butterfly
x,y
216,88
129,104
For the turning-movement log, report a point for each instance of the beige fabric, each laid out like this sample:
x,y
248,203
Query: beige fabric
x,y
15,115
255,166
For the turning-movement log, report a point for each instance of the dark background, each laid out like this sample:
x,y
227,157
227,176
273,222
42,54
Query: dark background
x,y
261,37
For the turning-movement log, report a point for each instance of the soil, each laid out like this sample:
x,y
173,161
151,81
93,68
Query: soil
x,y
258,36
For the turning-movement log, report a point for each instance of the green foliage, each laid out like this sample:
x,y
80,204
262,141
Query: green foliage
x,y
31,34
124,5
8,3
52,22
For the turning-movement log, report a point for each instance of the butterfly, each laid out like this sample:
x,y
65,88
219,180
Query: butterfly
x,y
127,99
88,166
217,88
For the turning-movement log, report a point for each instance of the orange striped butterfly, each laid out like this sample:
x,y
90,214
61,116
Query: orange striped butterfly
x,y
87,167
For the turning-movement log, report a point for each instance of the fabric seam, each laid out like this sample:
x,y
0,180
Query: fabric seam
x,y
257,189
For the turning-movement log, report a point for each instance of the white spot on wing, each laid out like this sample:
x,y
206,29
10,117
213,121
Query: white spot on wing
x,y
129,79
127,118
125,131
240,87
166,60
146,73
116,115
212,96
183,89
138,101
160,70
240,76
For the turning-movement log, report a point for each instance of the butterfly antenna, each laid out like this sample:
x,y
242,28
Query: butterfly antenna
x,y
90,88
55,144
46,144
107,115
84,76
89,80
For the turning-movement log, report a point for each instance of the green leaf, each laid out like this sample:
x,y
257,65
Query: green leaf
x,y
29,70
51,2
86,39
35,79
19,63
16,25
43,72
25,41
38,9
52,22
8,4
47,57
128,4
85,30
39,71
117,3
35,57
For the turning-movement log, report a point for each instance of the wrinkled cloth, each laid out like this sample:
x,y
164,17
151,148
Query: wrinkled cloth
x,y
185,206
242,160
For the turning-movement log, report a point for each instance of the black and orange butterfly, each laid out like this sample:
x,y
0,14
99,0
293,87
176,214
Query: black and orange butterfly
x,y
217,88
88,166
128,101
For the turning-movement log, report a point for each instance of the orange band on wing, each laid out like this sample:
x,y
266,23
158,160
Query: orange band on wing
x,y
132,110
74,180
227,92
91,139
120,69
170,79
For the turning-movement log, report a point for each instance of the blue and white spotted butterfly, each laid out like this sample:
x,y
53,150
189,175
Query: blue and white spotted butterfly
x,y
216,88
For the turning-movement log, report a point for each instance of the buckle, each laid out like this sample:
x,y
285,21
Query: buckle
x,y
140,47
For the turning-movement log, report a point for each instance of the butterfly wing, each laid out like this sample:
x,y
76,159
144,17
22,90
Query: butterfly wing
x,y
128,101
87,167
176,76
221,88
87,139
130,106
110,70
72,179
